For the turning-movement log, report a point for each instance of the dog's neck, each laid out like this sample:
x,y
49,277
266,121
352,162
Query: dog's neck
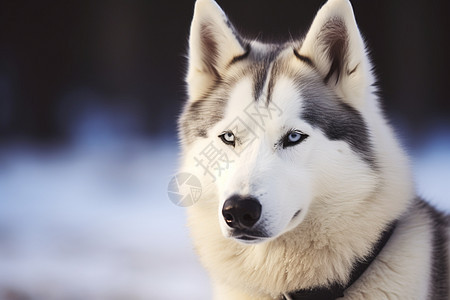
x,y
298,260
337,290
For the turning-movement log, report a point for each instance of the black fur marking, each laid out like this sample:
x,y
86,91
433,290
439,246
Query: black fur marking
x,y
236,35
333,36
440,262
354,70
261,69
296,214
440,259
337,119
260,77
304,59
273,77
241,57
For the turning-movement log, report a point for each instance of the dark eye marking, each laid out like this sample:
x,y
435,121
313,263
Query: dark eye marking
x,y
228,138
292,138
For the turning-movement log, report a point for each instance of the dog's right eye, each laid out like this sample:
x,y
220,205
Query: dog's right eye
x,y
228,138
293,138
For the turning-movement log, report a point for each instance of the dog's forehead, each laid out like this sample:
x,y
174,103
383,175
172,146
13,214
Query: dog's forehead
x,y
269,81
284,97
260,115
264,65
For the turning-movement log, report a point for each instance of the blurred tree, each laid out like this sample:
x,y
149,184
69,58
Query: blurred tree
x,y
132,53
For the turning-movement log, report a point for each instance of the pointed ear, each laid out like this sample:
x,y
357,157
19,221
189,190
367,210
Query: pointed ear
x,y
336,48
213,43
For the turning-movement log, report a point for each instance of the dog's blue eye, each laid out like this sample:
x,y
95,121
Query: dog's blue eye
x,y
293,138
228,138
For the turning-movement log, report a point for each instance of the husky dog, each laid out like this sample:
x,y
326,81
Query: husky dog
x,y
306,193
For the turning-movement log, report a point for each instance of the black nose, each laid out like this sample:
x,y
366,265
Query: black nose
x,y
241,212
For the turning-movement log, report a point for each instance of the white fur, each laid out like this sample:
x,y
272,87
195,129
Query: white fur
x,y
332,186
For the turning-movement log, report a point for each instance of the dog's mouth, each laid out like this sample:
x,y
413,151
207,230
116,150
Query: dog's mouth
x,y
249,237
246,239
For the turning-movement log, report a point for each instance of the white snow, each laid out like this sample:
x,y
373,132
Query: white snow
x,y
94,221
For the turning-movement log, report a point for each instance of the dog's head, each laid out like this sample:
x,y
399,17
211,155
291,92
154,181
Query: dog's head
x,y
279,132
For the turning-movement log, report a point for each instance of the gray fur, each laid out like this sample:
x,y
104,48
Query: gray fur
x,y
260,68
440,260
334,38
338,120
198,116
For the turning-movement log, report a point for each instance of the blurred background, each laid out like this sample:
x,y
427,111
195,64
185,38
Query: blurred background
x,y
89,96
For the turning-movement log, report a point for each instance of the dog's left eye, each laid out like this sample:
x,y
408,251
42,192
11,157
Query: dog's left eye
x,y
228,138
293,138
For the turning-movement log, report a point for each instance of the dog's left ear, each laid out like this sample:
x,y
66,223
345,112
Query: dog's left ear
x,y
335,47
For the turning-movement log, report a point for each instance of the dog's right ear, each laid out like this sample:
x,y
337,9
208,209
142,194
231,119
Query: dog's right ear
x,y
336,48
213,44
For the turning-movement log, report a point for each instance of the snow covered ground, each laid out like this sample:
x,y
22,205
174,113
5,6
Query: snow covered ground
x,y
94,221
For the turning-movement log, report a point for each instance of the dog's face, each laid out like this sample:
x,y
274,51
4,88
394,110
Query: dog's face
x,y
277,133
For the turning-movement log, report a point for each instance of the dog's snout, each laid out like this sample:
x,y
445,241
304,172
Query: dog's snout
x,y
241,212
